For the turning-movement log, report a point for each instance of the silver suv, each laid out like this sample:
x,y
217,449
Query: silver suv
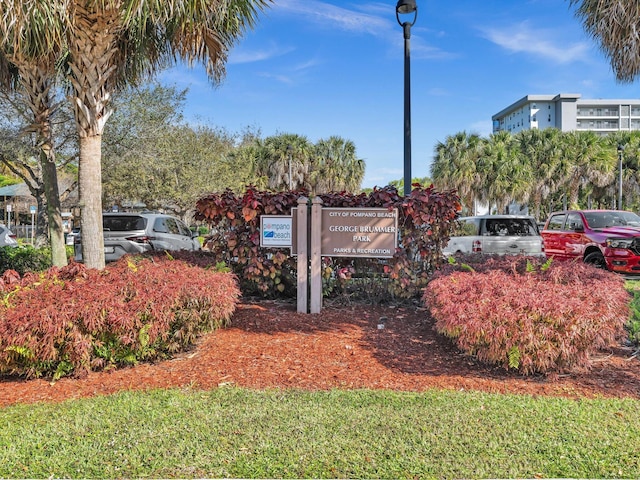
x,y
500,234
141,232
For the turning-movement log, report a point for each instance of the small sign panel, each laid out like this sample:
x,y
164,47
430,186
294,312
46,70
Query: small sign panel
x,y
276,231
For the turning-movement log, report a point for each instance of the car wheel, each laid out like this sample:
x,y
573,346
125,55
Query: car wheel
x,y
596,259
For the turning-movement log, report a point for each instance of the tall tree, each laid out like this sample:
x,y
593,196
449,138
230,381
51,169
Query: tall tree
x,y
28,56
335,166
455,165
131,149
589,164
630,156
504,176
615,25
20,156
540,149
151,156
285,160
110,43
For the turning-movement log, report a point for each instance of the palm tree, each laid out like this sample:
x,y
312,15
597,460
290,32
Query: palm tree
x,y
335,166
27,66
589,164
455,165
540,150
504,176
285,159
630,143
111,43
614,24
114,42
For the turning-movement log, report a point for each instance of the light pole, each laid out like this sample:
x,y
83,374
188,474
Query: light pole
x,y
407,7
620,150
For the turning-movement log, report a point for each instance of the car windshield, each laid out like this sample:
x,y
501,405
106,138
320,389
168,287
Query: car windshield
x,y
612,218
123,223
513,227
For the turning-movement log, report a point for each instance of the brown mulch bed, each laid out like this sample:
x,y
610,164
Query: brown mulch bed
x,y
269,345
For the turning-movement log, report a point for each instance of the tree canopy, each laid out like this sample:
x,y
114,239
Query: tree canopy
x,y
545,169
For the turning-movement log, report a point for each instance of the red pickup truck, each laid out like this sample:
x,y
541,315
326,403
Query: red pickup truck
x,y
606,238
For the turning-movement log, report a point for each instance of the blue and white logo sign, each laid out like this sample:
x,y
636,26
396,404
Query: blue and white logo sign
x,y
275,231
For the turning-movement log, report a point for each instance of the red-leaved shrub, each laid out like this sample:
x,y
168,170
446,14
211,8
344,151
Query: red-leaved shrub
x,y
73,320
426,218
521,313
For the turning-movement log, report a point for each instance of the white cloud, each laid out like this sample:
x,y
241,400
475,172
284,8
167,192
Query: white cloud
x,y
248,56
439,92
337,17
521,38
278,77
376,19
306,65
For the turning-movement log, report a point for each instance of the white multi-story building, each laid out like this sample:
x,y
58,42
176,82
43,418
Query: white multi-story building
x,y
568,112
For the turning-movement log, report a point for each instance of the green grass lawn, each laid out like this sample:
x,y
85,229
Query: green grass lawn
x,y
232,432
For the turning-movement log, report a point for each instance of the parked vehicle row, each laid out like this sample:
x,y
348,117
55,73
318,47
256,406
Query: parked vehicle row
x,y
608,239
140,232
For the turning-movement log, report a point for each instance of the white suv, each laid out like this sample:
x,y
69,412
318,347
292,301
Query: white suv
x,y
141,232
499,234
7,237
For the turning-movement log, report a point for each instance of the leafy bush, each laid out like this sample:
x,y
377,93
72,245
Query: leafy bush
x,y
528,314
24,259
426,217
73,320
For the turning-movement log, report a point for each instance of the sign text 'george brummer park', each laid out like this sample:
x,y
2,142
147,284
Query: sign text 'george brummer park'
x,y
359,232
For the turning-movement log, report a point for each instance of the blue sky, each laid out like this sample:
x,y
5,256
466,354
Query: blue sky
x,y
321,68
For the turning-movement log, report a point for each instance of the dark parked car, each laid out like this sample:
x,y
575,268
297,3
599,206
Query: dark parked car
x,y
141,232
606,238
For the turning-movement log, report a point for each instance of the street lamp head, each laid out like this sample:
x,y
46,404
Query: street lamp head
x,y
620,148
404,7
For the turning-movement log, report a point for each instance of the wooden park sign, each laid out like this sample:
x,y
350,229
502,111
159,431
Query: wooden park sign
x,y
331,232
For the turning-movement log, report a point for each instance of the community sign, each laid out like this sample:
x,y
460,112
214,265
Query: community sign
x,y
359,232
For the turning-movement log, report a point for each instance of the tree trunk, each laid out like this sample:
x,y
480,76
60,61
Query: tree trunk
x,y
52,193
42,223
90,193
